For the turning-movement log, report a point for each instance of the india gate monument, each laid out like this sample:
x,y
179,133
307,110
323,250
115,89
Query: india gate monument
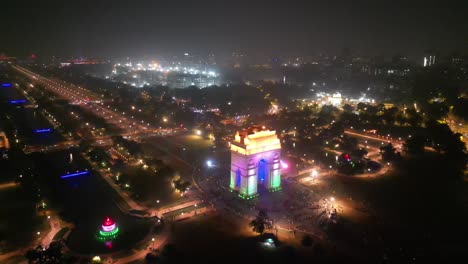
x,y
255,161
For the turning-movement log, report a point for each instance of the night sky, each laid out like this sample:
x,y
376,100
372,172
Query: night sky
x,y
129,28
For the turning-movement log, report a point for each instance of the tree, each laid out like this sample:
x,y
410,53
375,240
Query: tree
x,y
349,119
413,117
348,108
181,185
390,115
328,113
349,143
52,255
389,153
152,258
415,144
261,222
449,144
307,241
436,110
170,254
460,108
359,153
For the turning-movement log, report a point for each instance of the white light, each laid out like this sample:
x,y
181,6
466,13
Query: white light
x,y
209,163
314,173
108,228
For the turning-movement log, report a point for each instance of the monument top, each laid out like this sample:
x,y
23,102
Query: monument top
x,y
255,139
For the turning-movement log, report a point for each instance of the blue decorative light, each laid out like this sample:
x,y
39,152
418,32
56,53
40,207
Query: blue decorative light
x,y
43,130
74,174
17,101
6,85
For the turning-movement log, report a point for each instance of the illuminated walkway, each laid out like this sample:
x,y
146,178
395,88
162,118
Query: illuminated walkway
x,y
7,185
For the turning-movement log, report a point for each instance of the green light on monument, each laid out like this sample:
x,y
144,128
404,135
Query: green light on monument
x,y
276,181
252,185
232,184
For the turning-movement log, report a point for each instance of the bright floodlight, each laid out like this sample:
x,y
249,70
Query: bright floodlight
x,y
198,132
314,173
209,163
284,165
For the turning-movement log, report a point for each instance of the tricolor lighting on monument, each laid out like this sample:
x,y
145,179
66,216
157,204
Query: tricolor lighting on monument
x,y
109,230
255,159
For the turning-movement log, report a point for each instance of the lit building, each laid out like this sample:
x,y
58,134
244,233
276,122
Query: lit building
x,y
335,99
255,161
429,59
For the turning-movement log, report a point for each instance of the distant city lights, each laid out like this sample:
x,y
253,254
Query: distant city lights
x,y
170,74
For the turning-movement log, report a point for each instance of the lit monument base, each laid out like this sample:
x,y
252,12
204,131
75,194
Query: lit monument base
x,y
275,189
245,197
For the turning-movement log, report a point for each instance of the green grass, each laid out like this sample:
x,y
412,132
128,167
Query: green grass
x,y
196,142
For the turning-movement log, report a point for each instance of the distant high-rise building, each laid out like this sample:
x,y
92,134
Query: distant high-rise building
x,y
429,59
211,59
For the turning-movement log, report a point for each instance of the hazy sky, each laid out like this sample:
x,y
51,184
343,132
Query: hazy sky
x,y
133,27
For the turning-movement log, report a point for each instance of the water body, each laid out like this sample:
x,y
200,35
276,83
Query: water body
x,y
86,200
27,122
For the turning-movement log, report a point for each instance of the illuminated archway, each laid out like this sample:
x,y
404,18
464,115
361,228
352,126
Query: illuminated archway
x,y
262,171
255,159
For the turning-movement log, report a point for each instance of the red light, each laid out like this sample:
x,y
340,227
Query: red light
x,y
108,222
108,244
